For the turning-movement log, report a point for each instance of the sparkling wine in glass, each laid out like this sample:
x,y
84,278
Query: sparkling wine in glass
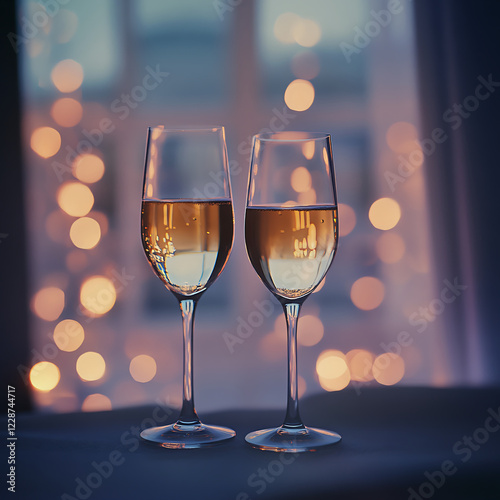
x,y
291,235
187,235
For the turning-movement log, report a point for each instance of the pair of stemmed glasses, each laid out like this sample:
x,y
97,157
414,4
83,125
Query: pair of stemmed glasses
x,y
291,234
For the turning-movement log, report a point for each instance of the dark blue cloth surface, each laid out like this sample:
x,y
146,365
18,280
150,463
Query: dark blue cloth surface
x,y
398,443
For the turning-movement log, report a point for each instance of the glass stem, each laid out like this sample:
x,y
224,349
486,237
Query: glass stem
x,y
188,414
292,418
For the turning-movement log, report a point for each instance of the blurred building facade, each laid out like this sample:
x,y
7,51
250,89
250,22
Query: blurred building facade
x,y
95,74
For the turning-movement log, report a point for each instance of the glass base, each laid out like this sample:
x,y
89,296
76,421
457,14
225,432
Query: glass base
x,y
292,440
182,436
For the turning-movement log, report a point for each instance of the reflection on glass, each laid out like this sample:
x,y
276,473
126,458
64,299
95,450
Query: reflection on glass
x,y
187,235
291,244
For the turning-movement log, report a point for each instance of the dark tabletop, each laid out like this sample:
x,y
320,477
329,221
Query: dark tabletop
x,y
398,443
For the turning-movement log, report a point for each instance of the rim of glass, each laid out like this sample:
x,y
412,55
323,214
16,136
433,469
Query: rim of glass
x,y
276,136
187,128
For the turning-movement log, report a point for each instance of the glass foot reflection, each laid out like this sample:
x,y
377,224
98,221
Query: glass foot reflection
x,y
178,436
292,440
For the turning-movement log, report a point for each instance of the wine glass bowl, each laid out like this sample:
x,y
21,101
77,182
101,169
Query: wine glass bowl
x,y
187,227
291,234
187,242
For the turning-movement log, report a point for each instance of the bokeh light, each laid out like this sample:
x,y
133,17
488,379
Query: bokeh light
x,y
48,303
76,261
75,199
367,293
158,130
306,32
290,27
388,369
390,247
331,364
68,335
335,384
88,168
140,341
44,376
66,112
402,137
347,219
143,368
301,180
96,402
332,370
360,363
90,366
308,148
98,295
45,141
283,27
299,95
311,330
64,25
85,233
326,156
307,197
305,65
67,75
384,213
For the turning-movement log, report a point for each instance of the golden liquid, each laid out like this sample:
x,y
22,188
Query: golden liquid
x,y
187,243
291,248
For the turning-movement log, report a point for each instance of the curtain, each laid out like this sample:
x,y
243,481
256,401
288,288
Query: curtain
x,y
459,77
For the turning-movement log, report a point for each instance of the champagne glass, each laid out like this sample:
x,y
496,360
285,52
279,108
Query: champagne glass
x,y
187,235
291,233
